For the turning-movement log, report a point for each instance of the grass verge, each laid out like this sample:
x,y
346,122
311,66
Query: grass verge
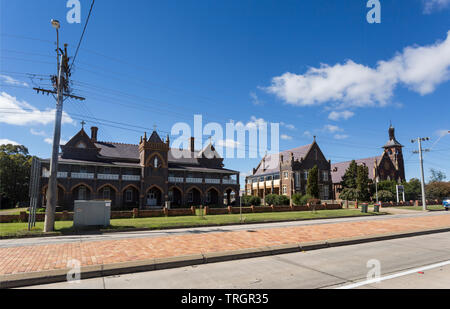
x,y
11,230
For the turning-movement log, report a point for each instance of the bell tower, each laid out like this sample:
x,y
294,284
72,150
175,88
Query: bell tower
x,y
153,154
394,150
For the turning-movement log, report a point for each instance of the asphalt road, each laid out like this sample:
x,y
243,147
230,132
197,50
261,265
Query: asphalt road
x,y
6,243
403,264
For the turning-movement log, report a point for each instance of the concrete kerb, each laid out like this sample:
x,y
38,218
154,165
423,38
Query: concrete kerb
x,y
60,275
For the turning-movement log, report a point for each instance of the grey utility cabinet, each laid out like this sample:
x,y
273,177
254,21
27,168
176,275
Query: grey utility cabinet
x,y
92,213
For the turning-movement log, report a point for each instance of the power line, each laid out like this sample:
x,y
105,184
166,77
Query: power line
x,y
82,35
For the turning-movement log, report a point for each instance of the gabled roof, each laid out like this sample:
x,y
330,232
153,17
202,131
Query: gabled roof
x,y
271,163
154,138
209,152
338,169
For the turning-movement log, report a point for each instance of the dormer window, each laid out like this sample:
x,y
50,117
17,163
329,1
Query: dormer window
x,y
81,145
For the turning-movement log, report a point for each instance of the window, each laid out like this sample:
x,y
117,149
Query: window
x,y
249,192
276,176
107,170
297,179
286,175
106,193
129,195
82,193
325,175
326,192
208,197
81,145
83,169
190,197
155,162
171,195
306,174
284,189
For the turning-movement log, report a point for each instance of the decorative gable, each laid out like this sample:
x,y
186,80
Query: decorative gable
x,y
80,147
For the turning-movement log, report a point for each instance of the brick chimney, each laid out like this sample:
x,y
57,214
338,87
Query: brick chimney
x,y
192,145
94,131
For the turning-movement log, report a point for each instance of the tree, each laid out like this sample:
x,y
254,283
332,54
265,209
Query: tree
x,y
385,196
349,194
362,182
437,190
349,178
15,165
313,182
413,189
437,176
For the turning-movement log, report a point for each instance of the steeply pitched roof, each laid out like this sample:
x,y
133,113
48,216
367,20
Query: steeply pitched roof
x,y
338,169
271,163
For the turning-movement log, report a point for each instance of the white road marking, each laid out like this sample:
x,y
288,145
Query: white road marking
x,y
405,273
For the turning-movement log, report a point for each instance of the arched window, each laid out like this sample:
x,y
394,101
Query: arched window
x,y
155,162
82,193
106,193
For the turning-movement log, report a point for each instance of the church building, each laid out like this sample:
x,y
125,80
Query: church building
x,y
144,175
286,173
389,165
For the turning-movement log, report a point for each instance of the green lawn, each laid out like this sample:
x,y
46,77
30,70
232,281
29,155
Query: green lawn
x,y
419,208
65,227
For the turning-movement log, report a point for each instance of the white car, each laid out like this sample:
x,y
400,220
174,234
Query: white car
x,y
446,203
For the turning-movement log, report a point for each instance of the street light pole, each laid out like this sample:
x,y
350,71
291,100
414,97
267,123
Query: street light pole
x,y
420,152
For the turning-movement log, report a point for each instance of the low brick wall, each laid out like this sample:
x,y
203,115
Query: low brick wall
x,y
215,211
136,213
260,209
281,208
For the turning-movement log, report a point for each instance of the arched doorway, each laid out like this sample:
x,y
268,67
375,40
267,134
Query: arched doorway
x,y
230,197
193,197
153,197
107,193
81,193
130,198
212,197
59,199
175,197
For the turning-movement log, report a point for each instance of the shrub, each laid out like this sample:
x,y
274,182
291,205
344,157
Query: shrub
x,y
305,199
271,199
249,200
349,194
297,199
282,200
437,190
385,196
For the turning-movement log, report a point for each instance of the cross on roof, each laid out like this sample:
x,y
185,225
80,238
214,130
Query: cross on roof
x,y
154,127
82,124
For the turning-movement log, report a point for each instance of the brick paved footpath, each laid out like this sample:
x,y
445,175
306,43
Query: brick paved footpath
x,y
28,259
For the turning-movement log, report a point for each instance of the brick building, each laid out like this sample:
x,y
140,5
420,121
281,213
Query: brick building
x,y
286,173
144,175
388,166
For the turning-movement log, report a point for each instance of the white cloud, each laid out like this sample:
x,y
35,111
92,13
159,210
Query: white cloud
x,y
336,116
287,125
341,136
21,113
228,143
286,137
255,99
435,5
307,134
11,81
38,133
420,68
332,129
5,141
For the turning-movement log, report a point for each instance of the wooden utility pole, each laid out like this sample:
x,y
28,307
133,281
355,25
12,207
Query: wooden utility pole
x,y
61,85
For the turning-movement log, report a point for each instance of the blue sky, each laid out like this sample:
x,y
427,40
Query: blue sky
x,y
313,66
